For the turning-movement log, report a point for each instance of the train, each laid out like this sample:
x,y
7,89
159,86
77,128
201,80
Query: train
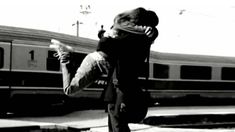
x,y
29,70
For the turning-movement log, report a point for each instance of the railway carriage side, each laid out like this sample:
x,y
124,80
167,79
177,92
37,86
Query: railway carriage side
x,y
192,76
29,69
5,65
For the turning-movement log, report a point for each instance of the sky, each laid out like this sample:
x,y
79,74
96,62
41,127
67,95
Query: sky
x,y
204,27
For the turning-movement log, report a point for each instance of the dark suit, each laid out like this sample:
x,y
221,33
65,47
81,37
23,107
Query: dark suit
x,y
132,52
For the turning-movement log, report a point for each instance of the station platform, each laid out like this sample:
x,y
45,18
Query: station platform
x,y
96,121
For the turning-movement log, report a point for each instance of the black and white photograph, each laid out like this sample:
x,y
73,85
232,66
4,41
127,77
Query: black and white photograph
x,y
117,66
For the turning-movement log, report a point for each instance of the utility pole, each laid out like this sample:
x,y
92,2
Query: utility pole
x,y
85,9
77,24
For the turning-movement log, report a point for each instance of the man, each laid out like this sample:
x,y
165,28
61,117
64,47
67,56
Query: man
x,y
136,32
101,32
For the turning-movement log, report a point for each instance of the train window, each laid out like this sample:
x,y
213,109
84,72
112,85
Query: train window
x,y
160,71
228,73
53,64
196,72
1,57
79,57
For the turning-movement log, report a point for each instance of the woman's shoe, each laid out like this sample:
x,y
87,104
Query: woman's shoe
x,y
62,50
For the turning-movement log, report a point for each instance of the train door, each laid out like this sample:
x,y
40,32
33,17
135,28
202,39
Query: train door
x,y
33,77
5,68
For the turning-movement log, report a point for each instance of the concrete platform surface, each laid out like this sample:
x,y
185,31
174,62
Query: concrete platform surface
x,y
96,120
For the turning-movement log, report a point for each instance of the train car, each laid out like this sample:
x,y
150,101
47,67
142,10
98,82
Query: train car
x,y
191,77
30,71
